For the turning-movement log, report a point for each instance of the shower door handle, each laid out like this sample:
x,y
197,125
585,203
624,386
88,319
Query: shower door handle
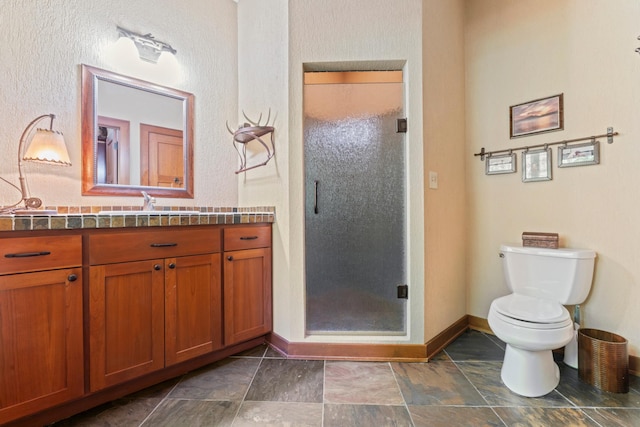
x,y
315,197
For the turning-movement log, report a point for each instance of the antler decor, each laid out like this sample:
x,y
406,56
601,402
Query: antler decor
x,y
253,131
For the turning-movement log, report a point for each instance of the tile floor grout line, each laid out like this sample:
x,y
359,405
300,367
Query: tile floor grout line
x,y
324,389
404,400
557,407
164,399
468,379
589,416
566,398
474,387
488,336
242,401
498,415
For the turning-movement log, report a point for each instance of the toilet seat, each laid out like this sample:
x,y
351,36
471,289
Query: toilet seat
x,y
531,312
532,325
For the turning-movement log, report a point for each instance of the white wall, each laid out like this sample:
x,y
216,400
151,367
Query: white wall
x,y
44,43
376,32
520,51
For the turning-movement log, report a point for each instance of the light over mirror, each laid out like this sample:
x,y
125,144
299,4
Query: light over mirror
x,y
136,136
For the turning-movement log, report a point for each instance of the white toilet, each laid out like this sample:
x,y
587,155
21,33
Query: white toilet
x,y
532,321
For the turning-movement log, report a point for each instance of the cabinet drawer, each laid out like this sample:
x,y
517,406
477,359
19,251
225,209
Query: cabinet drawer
x,y
23,254
149,244
239,238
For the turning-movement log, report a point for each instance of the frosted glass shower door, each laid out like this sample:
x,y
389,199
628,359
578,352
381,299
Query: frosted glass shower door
x,y
354,205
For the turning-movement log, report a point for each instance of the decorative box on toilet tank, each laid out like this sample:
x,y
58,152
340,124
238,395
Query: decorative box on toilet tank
x,y
540,240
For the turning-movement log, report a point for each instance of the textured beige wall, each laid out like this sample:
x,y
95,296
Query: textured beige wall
x,y
444,153
263,46
520,51
44,43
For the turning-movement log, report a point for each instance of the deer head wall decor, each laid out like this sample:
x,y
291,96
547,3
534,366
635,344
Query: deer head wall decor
x,y
253,131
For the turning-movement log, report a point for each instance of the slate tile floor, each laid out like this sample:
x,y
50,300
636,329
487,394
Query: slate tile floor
x,y
460,387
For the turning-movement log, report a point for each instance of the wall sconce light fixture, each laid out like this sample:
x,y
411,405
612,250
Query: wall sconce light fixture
x,y
149,49
46,146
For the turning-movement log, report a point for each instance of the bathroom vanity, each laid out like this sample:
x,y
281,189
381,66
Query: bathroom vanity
x,y
90,314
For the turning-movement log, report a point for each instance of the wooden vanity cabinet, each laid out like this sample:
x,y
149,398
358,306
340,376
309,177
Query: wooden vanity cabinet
x,y
126,321
154,300
247,282
41,350
193,307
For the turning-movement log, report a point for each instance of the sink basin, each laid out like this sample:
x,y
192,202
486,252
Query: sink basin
x,y
149,212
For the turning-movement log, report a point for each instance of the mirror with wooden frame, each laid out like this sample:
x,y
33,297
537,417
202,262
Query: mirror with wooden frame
x,y
136,136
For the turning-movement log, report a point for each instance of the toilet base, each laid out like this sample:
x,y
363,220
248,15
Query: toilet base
x,y
529,373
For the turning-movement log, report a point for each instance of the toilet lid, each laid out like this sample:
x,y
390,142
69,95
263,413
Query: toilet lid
x,y
531,309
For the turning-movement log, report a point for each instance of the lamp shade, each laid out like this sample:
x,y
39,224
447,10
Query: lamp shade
x,y
47,146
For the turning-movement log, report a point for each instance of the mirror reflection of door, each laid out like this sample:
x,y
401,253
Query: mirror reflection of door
x,y
112,148
161,156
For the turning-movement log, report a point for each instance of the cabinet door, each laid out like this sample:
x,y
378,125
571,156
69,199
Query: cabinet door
x,y
41,355
193,304
126,324
247,294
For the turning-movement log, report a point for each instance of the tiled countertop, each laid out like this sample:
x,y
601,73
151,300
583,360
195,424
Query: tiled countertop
x,y
88,217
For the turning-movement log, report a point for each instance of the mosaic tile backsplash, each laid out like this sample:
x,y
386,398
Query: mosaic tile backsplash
x,y
75,217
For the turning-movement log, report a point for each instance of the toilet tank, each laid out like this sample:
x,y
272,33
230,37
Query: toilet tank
x,y
562,275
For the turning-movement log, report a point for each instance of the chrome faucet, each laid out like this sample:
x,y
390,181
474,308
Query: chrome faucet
x,y
148,202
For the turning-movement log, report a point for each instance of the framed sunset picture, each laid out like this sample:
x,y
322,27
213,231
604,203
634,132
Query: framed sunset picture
x,y
540,115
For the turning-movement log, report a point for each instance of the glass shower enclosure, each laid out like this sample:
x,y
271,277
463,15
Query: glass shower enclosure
x,y
355,233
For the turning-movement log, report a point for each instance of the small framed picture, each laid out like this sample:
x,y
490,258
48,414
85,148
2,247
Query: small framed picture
x,y
495,165
579,155
540,115
536,165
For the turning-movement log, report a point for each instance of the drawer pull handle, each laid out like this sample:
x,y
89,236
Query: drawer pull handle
x,y
230,258
172,265
72,278
248,237
157,267
27,254
163,245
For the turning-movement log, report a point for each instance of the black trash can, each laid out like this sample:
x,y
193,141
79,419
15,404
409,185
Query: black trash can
x,y
603,360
